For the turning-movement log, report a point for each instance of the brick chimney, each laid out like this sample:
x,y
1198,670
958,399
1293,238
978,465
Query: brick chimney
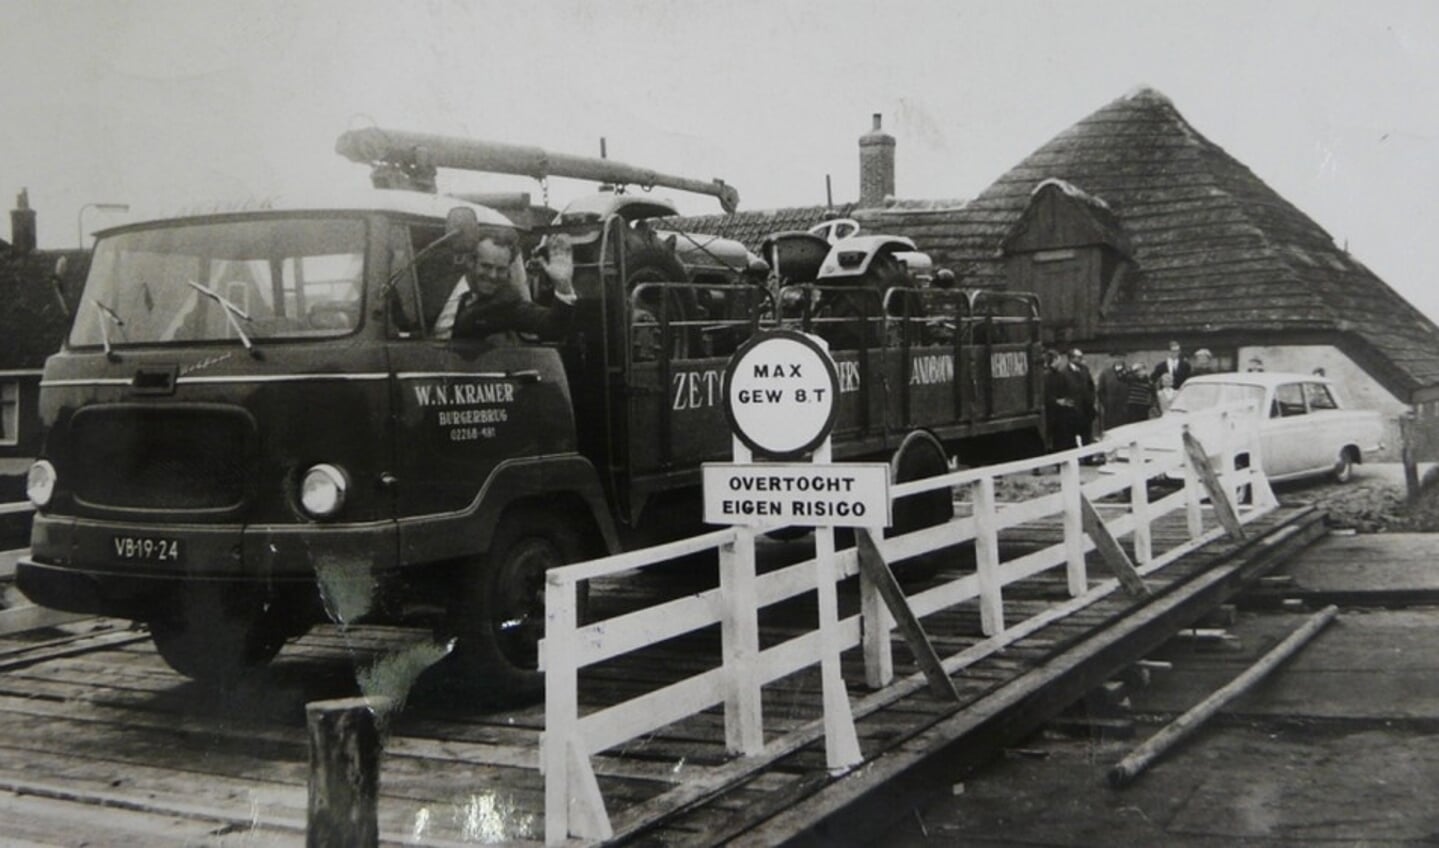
x,y
22,224
876,166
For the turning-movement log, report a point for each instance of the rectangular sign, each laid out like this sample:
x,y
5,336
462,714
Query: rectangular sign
x,y
851,494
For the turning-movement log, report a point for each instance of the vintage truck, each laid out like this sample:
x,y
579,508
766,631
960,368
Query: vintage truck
x,y
252,427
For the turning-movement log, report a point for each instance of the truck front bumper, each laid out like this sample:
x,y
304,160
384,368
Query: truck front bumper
x,y
78,565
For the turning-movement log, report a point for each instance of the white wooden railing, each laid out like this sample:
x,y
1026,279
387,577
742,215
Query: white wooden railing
x,y
573,804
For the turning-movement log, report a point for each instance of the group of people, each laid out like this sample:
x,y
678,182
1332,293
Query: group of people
x,y
1079,406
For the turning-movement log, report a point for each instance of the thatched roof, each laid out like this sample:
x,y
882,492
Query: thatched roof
x,y
1217,251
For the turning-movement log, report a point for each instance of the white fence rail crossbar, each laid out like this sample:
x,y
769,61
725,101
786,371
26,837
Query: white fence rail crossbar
x,y
1153,451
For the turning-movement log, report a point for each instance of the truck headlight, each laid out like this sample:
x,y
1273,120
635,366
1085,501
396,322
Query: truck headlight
x,y
40,483
322,490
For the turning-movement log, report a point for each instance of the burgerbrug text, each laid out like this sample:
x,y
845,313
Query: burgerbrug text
x,y
468,411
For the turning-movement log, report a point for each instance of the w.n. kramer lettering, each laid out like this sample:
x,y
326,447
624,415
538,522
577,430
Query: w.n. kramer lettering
x,y
464,394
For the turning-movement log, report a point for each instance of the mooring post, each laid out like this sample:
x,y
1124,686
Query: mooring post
x,y
344,771
1408,431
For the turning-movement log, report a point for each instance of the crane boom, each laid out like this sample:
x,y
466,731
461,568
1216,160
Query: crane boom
x,y
410,150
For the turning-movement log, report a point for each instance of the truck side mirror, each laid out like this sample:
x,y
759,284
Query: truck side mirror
x,y
462,230
57,279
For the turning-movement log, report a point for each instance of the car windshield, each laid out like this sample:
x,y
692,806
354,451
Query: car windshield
x,y
260,278
1196,397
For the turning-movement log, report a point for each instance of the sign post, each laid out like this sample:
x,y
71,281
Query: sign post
x,y
780,391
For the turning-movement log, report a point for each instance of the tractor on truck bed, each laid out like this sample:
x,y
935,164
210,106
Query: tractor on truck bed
x,y
253,427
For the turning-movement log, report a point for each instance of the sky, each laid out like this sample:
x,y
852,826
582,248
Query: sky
x,y
159,105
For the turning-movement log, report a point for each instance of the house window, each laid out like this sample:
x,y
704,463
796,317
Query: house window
x,y
9,412
1053,255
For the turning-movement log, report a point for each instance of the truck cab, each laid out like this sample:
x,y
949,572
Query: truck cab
x,y
251,426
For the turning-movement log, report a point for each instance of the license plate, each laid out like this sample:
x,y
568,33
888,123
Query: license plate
x,y
145,548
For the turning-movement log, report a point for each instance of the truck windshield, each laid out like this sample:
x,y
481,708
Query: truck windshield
x,y
272,278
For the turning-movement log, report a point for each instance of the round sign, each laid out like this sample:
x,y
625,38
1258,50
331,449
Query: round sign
x,y
779,393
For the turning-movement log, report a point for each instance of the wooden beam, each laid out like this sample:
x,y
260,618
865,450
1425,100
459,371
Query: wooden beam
x,y
1130,767
8,560
873,566
1109,548
26,617
1218,494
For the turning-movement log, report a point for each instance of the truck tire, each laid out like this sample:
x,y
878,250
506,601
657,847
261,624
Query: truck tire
x,y
217,635
503,610
920,455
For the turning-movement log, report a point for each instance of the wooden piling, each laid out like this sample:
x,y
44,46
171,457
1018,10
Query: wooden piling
x,y
344,772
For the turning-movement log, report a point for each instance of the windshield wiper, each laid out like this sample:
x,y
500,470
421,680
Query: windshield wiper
x,y
110,354
231,311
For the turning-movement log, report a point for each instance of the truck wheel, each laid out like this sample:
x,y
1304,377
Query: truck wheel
x,y
920,455
215,638
500,635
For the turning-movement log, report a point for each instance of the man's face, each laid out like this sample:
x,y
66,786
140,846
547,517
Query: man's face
x,y
488,268
1173,350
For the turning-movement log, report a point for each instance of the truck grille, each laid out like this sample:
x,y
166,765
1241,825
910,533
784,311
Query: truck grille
x,y
179,458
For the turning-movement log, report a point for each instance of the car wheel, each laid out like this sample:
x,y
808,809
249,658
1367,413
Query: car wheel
x,y
1344,468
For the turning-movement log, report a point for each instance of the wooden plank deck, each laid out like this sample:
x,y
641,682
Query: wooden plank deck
x,y
100,742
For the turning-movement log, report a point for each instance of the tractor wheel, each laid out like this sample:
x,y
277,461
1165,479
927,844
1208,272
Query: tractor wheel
x,y
653,264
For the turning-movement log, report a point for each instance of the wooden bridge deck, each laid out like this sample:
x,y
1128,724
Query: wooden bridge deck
x,y
101,743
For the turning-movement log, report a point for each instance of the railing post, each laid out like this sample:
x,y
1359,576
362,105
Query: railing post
x,y
1073,529
841,742
1193,507
986,549
573,805
739,632
1139,504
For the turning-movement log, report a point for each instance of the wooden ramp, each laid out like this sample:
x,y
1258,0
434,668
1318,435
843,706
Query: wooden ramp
x,y
100,743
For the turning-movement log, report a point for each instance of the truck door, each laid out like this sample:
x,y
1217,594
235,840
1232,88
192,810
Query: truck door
x,y
462,408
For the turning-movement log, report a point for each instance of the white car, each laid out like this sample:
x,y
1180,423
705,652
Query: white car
x,y
1305,431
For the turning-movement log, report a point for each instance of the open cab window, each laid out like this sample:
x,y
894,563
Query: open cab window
x,y
274,277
